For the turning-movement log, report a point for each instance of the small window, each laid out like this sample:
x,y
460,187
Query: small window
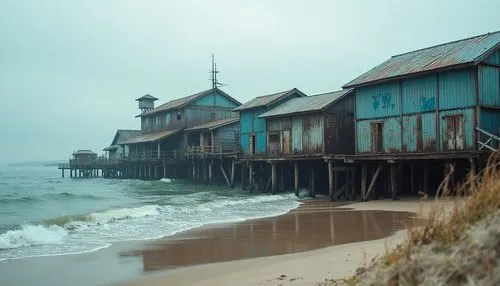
x,y
179,115
377,136
274,137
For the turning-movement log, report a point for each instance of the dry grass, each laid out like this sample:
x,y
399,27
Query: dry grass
x,y
453,246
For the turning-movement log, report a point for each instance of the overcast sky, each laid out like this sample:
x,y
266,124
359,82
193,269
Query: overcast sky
x,y
71,70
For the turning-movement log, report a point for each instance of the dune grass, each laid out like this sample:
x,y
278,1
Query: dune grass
x,y
449,246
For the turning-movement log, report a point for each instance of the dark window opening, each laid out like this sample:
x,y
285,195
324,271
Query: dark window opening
x,y
252,144
179,115
274,137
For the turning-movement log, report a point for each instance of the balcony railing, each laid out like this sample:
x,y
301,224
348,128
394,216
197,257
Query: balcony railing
x,y
211,151
152,155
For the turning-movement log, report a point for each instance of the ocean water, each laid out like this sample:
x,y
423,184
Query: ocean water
x,y
42,214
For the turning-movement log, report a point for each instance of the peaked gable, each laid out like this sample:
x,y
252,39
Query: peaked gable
x,y
270,99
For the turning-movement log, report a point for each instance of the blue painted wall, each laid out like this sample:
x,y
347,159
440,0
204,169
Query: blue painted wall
x,y
490,121
215,98
407,109
489,85
494,58
419,94
251,124
457,89
378,101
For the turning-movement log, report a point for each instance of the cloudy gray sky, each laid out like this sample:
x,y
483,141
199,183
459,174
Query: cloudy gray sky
x,y
70,70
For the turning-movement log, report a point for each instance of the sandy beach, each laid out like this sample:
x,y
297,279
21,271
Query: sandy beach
x,y
317,241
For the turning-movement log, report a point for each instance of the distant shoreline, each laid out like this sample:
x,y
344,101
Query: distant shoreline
x,y
36,163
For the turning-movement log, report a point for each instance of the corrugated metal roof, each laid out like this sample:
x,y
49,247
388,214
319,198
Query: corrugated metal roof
x,y
151,137
307,104
462,52
181,102
267,100
147,96
214,124
80,152
123,135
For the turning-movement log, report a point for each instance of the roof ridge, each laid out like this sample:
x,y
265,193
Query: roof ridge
x,y
443,44
335,91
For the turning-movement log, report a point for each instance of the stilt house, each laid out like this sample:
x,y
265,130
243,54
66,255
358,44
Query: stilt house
x,y
438,100
253,130
312,126
116,150
162,128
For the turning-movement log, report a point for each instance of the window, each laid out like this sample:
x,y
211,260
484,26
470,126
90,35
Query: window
x,y
167,119
212,115
377,136
454,132
274,137
179,115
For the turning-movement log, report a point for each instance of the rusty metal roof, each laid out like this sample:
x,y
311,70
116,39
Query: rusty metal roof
x,y
121,136
183,101
147,96
468,51
309,104
109,148
151,137
214,124
267,100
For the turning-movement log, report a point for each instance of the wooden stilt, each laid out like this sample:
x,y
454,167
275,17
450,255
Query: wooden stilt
x,y
250,177
243,177
225,175
296,177
412,179
273,178
330,180
233,163
393,181
62,172
313,182
210,174
363,181
353,184
372,183
282,179
472,171
347,184
156,172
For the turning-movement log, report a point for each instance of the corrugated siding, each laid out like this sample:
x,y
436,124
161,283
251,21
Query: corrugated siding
x,y
490,121
419,94
296,134
279,124
246,122
410,133
378,101
312,134
339,135
489,85
260,143
429,132
346,105
468,126
226,137
457,89
363,136
245,144
259,124
392,134
199,115
494,59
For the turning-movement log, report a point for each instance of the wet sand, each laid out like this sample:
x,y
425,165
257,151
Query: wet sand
x,y
314,225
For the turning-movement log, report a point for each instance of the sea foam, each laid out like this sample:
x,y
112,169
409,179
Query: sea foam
x,y
31,235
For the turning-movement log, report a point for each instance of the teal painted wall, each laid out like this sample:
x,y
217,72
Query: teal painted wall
x,y
489,85
378,101
457,89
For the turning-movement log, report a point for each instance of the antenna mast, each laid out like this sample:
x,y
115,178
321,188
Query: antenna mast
x,y
214,72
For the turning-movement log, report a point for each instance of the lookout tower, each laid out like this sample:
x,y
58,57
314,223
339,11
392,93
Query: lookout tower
x,y
146,102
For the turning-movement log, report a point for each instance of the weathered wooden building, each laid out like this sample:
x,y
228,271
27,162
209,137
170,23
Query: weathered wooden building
x,y
433,103
116,149
253,130
163,140
301,131
311,126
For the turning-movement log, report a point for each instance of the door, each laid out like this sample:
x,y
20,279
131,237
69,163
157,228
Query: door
x,y
377,137
286,142
252,144
454,138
